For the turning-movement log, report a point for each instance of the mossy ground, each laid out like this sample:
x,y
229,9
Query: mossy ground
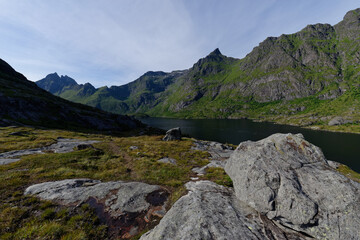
x,y
26,217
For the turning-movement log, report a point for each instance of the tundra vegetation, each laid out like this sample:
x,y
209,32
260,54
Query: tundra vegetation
x,y
112,159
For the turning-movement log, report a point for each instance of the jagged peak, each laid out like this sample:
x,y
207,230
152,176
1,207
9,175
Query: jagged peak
x,y
352,15
55,74
317,28
216,52
56,79
153,73
215,55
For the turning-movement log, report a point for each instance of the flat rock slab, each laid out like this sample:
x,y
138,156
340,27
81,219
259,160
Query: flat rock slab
x,y
167,160
126,207
289,180
63,145
210,211
9,160
219,154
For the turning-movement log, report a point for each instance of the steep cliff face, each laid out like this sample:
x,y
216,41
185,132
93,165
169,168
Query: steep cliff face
x,y
310,69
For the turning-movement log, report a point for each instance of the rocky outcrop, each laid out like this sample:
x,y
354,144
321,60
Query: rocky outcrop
x,y
173,134
338,121
168,160
289,180
126,207
63,145
219,153
211,211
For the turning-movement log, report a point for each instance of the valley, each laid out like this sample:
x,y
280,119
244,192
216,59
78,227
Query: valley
x,y
309,79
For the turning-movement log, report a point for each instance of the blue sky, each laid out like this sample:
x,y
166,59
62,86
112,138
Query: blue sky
x,y
112,42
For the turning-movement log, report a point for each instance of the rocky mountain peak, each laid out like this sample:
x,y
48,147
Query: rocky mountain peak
x,y
215,55
54,83
154,74
216,52
210,64
352,16
349,27
53,75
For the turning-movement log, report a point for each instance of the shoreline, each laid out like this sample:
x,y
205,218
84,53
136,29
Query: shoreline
x,y
309,127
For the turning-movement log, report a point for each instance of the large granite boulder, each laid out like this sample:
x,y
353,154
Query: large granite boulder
x,y
211,211
289,180
173,134
126,207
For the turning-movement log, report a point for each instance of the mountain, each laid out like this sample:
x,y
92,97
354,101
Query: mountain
x,y
23,103
305,78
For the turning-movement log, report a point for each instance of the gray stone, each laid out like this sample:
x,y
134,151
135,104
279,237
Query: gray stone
x,y
63,145
334,164
173,134
84,146
213,163
167,160
122,205
338,121
211,211
8,160
289,180
133,147
219,154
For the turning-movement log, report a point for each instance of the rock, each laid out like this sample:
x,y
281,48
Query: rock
x,y
8,160
19,133
218,151
211,211
219,154
334,164
84,146
63,145
133,147
167,160
338,121
15,155
173,134
289,180
126,207
213,163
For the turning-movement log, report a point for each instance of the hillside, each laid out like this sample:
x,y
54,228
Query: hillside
x,y
307,78
24,103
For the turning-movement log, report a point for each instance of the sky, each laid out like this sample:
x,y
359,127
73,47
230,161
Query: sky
x,y
113,42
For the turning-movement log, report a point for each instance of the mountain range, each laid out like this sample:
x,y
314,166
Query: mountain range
x,y
306,78
22,102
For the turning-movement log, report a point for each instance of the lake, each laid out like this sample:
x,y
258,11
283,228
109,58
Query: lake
x,y
340,147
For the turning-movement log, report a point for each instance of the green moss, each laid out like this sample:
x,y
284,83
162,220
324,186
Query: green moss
x,y
345,170
219,176
26,217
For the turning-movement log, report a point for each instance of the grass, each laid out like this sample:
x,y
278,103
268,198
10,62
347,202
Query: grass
x,y
113,159
26,217
346,171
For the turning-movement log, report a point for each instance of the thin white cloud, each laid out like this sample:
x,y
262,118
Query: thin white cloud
x,y
112,42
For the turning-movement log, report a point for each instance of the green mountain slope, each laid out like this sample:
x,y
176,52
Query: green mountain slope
x,y
305,78
22,102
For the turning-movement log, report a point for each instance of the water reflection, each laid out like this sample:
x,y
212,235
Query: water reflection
x,y
341,147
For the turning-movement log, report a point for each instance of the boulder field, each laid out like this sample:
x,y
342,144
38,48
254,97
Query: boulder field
x,y
284,188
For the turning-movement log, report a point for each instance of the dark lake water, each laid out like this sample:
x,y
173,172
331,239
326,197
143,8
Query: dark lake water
x,y
340,147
